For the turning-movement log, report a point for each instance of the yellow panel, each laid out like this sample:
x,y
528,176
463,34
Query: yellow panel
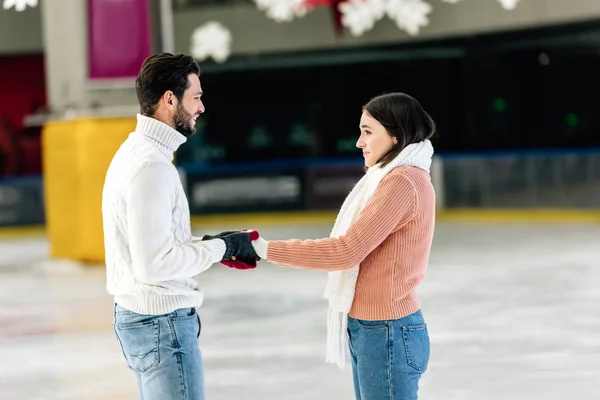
x,y
100,139
76,156
61,187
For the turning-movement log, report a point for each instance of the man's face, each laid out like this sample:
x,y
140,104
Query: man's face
x,y
189,108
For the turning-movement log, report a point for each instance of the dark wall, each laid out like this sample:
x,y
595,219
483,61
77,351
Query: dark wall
x,y
535,89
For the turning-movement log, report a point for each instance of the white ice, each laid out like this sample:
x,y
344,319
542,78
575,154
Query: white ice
x,y
512,310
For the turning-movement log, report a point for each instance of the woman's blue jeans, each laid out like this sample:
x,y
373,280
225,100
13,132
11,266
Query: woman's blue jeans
x,y
388,357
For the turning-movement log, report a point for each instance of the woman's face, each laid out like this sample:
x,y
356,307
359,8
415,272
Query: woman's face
x,y
374,139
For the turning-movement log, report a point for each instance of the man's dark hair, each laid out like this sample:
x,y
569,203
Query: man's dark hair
x,y
162,72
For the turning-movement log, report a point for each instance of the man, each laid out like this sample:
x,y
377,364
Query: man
x,y
151,257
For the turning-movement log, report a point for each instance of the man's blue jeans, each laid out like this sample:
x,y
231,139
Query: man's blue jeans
x,y
163,352
388,357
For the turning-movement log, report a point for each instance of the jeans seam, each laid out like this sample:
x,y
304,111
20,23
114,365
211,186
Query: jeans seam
x,y
390,360
178,355
350,346
407,348
117,335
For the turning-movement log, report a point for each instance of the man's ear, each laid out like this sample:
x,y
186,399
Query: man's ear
x,y
170,100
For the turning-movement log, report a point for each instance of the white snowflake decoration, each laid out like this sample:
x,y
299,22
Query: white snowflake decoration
x,y
360,16
409,15
509,4
282,10
19,5
211,40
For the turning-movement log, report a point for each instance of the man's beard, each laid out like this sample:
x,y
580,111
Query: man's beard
x,y
184,121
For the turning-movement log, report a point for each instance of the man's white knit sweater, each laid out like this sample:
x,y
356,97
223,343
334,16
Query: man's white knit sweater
x,y
151,256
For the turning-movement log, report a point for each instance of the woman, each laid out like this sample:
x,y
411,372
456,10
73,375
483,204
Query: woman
x,y
378,253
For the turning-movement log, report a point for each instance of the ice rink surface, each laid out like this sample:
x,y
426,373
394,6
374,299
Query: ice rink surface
x,y
513,312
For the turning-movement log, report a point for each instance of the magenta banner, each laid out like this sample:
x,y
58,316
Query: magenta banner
x,y
119,37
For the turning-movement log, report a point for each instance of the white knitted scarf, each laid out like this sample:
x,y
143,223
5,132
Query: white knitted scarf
x,y
341,284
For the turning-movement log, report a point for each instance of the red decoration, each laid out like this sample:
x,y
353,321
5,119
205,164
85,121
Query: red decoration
x,y
335,12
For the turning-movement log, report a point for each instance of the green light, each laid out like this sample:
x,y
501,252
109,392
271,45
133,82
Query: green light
x,y
572,119
260,138
499,104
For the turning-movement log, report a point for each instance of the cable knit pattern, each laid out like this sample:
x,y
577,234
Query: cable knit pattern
x,y
386,226
151,257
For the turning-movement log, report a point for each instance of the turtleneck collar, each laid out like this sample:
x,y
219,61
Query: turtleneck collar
x,y
167,138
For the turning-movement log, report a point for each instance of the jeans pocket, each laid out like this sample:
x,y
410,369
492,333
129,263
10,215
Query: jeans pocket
x,y
199,327
184,315
139,342
417,346
373,325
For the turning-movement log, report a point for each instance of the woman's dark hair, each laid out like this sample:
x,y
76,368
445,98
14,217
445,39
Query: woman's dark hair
x,y
162,72
403,118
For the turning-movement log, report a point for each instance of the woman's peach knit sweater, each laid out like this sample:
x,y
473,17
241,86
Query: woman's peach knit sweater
x,y
391,240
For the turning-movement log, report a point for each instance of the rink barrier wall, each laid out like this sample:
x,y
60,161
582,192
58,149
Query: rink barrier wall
x,y
77,152
567,179
21,201
250,220
247,220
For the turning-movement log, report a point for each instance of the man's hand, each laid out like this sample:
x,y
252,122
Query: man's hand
x,y
239,253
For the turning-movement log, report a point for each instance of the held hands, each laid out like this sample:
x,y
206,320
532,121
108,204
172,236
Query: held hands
x,y
239,253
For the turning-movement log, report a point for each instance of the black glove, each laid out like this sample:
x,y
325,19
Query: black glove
x,y
218,235
239,253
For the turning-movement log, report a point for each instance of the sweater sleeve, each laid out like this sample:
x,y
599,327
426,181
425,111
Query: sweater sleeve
x,y
155,254
393,205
